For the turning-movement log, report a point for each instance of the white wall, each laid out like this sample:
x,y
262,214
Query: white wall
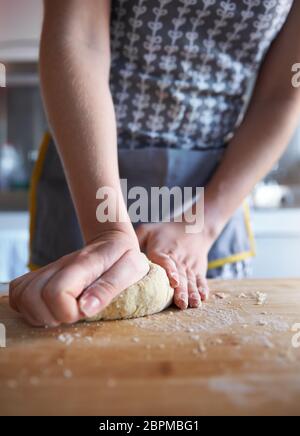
x,y
20,23
20,19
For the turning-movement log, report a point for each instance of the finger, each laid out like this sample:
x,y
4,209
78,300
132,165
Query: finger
x,y
132,267
61,303
194,296
166,262
181,291
14,283
85,267
34,307
82,269
29,320
34,302
31,301
203,287
16,287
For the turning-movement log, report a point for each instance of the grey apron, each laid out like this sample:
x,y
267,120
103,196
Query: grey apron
x,y
55,231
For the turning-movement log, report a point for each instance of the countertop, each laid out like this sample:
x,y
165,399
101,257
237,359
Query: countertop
x,y
234,357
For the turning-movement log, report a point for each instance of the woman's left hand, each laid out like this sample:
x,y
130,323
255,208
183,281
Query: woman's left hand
x,y
183,256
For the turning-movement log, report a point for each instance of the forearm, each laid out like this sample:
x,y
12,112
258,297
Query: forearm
x,y
272,117
257,145
80,111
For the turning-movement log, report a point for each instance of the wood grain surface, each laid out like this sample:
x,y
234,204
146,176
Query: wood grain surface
x,y
232,357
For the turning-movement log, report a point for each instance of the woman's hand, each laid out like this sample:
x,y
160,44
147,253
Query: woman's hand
x,y
81,284
182,255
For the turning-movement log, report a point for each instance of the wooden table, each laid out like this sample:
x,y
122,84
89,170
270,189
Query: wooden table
x,y
232,357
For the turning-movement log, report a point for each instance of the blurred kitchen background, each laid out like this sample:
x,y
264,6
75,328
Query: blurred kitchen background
x,y
276,201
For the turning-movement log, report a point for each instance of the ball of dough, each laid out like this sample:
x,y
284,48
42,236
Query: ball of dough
x,y
150,295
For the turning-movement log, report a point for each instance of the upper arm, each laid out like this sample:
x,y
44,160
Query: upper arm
x,y
84,22
276,73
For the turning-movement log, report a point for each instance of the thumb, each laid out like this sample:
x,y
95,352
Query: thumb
x,y
130,268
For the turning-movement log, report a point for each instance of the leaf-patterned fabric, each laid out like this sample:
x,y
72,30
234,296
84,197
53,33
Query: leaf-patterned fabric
x,y
182,70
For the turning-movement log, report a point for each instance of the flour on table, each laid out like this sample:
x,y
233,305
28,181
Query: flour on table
x,y
66,338
68,374
221,295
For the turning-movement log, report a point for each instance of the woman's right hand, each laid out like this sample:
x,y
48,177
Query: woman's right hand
x,y
81,284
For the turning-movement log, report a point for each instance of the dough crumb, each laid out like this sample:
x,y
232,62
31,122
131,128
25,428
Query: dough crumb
x,y
221,295
262,323
66,338
68,374
135,339
202,348
243,295
261,298
199,349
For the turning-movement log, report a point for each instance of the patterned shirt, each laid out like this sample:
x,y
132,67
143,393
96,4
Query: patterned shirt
x,y
182,70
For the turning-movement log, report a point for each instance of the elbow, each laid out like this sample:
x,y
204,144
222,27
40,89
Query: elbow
x,y
65,48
